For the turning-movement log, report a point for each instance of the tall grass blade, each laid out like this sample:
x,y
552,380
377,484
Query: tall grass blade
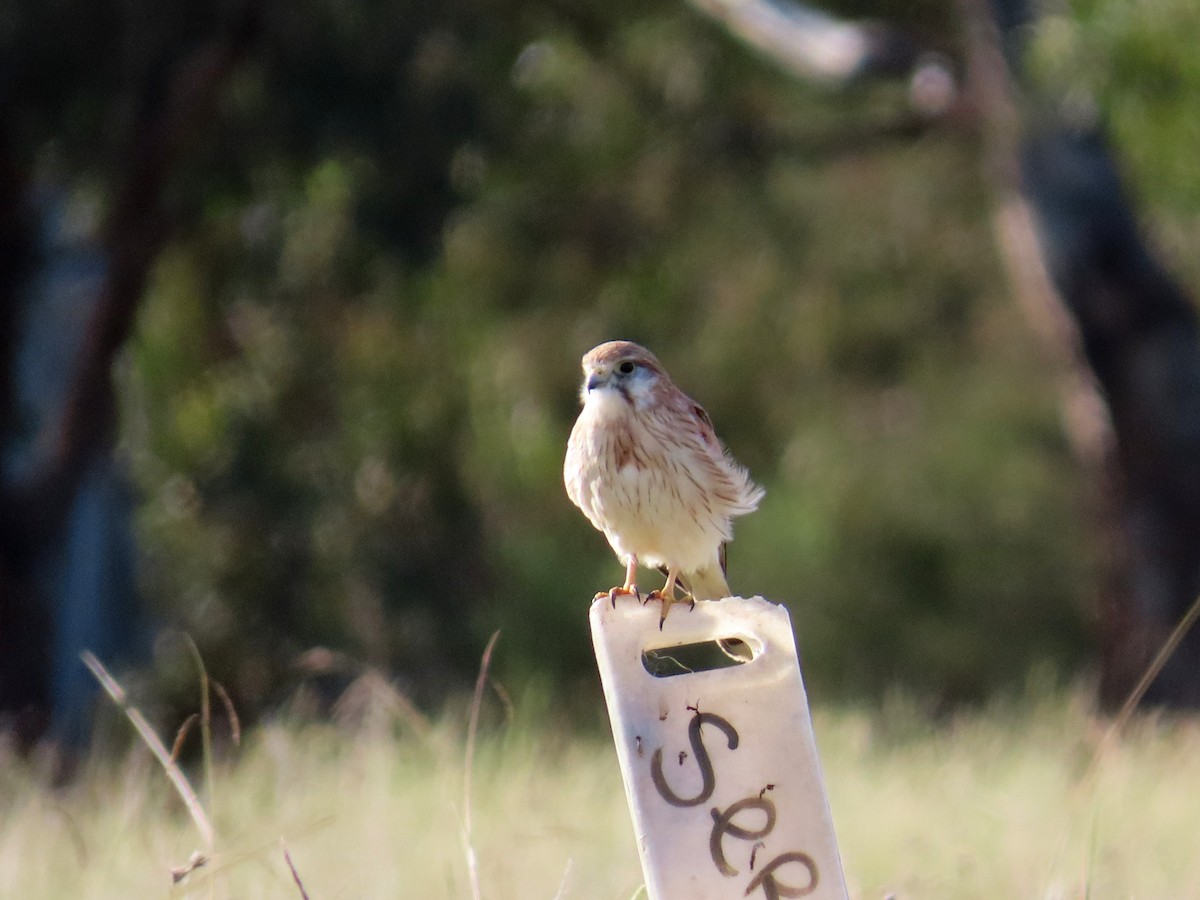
x,y
151,740
469,765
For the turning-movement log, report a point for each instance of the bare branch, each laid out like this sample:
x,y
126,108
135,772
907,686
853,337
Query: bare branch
x,y
814,45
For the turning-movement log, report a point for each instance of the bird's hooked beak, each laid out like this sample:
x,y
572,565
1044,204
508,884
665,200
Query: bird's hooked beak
x,y
602,380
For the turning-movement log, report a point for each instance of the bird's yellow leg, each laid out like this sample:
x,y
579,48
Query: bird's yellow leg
x,y
667,597
629,588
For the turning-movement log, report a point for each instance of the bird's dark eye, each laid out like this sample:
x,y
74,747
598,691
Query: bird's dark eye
x,y
625,368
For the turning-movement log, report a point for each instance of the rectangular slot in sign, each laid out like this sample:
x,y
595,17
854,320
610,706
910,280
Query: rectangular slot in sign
x,y
702,656
717,753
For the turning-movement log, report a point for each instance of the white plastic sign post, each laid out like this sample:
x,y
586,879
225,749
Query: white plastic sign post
x,y
720,765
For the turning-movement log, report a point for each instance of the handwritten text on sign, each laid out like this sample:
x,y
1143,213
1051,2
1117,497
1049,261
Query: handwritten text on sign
x,y
726,823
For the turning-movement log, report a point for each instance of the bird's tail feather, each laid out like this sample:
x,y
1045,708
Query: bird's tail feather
x,y
706,584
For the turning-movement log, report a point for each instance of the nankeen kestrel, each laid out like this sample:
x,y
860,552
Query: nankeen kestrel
x,y
647,469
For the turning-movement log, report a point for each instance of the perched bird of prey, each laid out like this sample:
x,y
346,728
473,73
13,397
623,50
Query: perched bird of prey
x,y
647,469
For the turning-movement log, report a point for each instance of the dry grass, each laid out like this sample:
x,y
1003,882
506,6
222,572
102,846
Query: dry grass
x,y
990,805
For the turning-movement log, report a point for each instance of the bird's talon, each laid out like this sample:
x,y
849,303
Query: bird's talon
x,y
620,591
668,601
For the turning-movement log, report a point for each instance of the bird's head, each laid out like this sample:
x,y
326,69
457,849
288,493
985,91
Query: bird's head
x,y
620,369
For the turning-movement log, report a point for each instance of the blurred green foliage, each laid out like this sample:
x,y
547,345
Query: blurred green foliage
x,y
1133,65
355,370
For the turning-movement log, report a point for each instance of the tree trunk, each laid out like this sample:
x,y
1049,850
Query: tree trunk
x,y
1133,338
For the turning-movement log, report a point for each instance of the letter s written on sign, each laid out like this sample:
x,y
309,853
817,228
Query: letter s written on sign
x,y
707,776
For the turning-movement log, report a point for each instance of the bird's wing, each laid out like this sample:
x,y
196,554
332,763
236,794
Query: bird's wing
x,y
731,481
704,425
